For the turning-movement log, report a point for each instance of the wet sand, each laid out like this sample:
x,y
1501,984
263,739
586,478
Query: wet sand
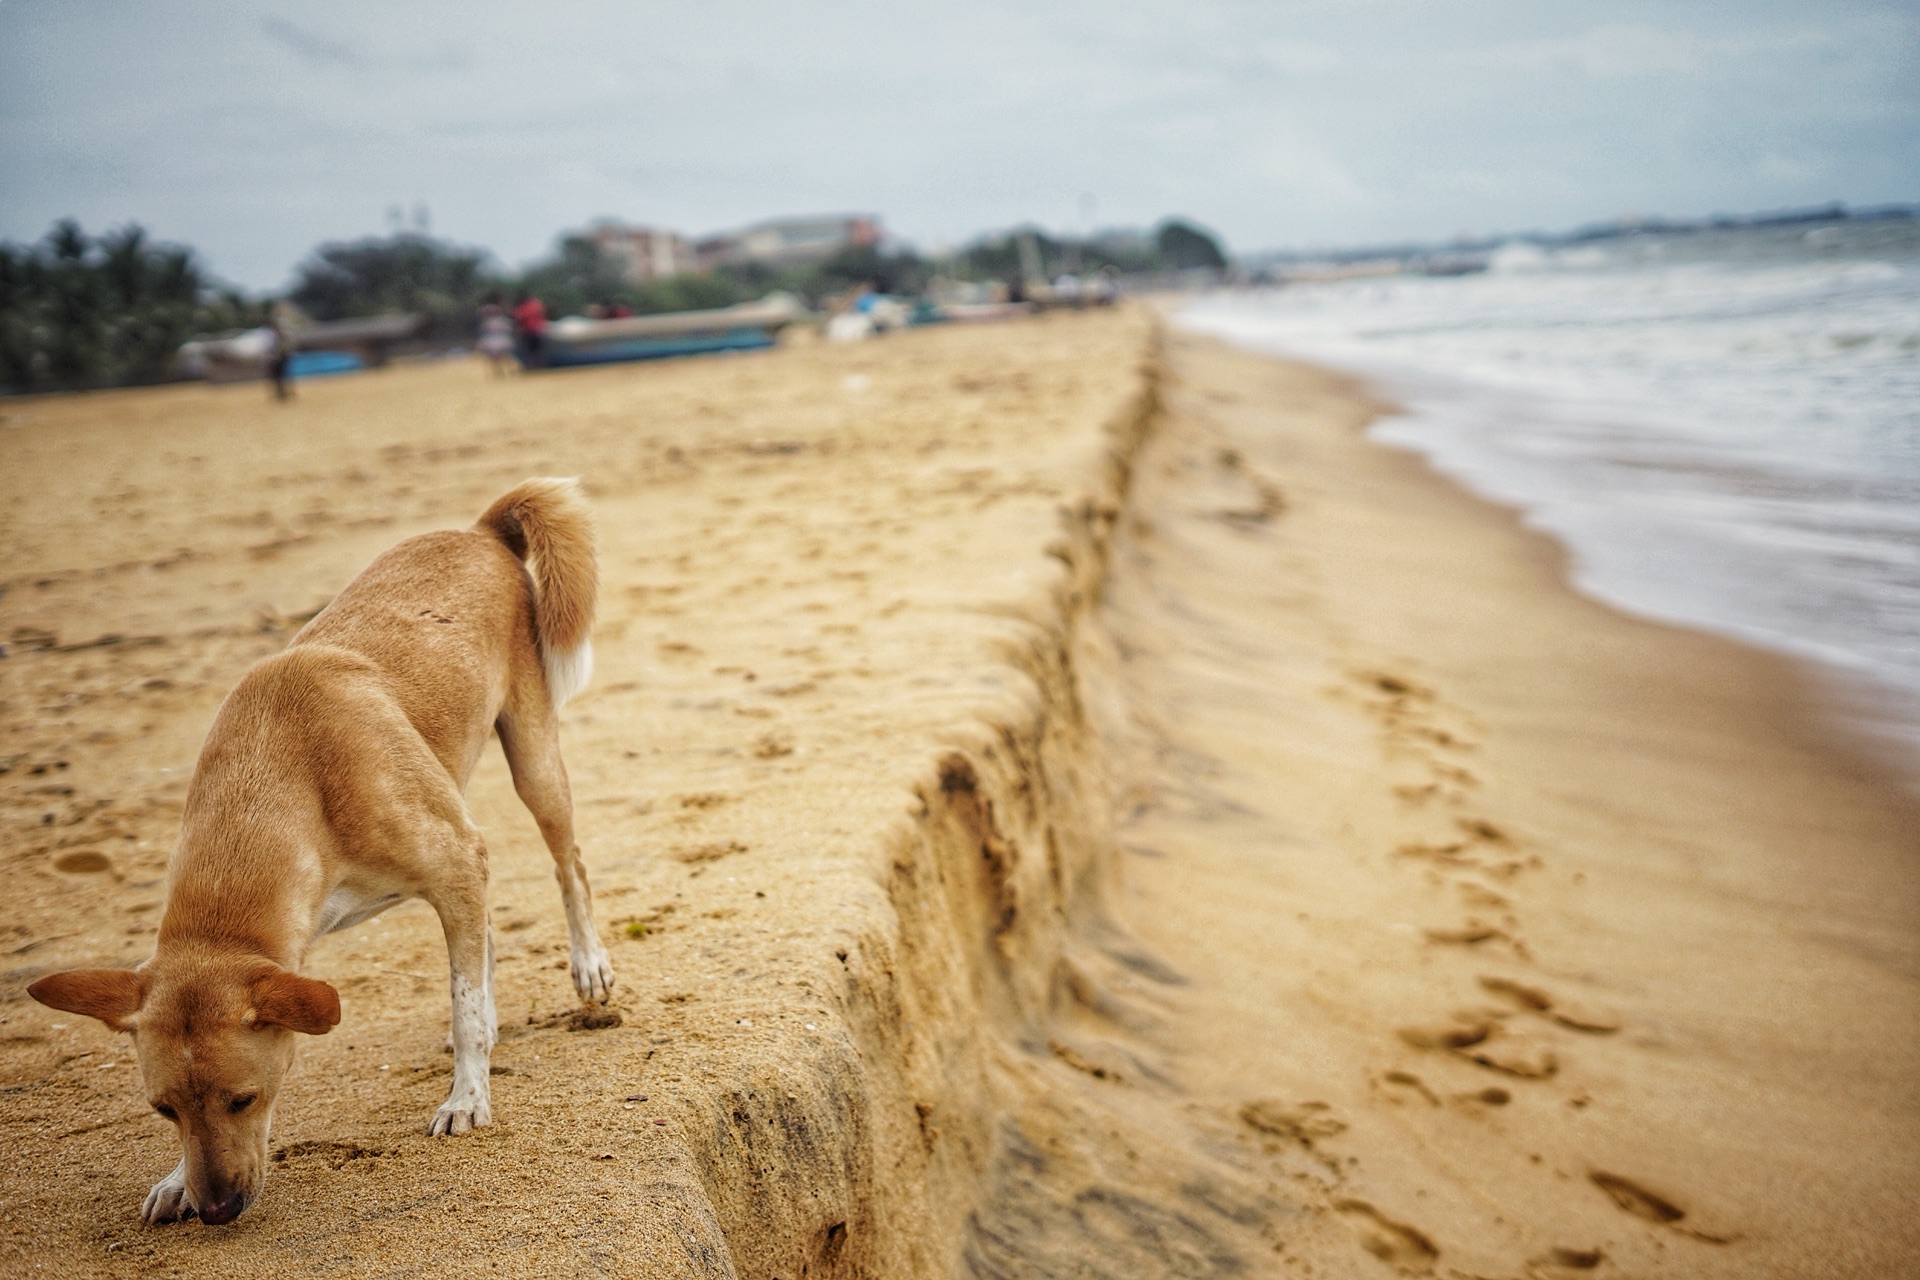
x,y
1531,937
1056,810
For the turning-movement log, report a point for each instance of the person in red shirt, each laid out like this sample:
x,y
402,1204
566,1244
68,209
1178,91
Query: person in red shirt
x,y
530,325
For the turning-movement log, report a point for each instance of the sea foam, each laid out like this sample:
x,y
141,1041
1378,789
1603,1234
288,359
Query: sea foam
x,y
1723,427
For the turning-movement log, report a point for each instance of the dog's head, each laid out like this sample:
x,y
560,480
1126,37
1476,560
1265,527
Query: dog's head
x,y
215,1039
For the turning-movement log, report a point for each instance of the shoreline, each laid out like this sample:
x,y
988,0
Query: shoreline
x,y
1842,698
1443,417
1814,704
1836,701
1524,917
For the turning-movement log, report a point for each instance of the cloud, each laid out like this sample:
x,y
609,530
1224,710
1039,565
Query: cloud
x,y
1298,57
1301,166
1325,120
1778,168
311,48
1610,52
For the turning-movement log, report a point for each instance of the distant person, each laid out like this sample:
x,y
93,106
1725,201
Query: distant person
x,y
279,360
496,335
530,322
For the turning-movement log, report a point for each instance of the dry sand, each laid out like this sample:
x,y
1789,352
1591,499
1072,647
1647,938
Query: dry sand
x,y
1262,867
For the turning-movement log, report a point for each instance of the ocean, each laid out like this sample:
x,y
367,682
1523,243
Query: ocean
x,y
1723,427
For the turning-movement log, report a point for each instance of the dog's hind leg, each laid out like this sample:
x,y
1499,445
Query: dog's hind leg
x,y
530,736
460,900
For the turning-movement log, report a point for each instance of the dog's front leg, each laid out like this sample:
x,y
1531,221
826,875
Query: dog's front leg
x,y
168,1202
493,1013
463,916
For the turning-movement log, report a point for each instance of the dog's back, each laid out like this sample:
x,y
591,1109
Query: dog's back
x,y
448,621
459,628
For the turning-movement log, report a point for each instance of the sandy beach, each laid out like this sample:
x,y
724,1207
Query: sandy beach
x,y
1062,803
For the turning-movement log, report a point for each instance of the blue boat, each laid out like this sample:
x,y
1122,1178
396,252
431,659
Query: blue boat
x,y
323,364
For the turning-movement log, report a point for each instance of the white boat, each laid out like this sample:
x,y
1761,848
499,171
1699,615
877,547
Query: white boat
x,y
746,326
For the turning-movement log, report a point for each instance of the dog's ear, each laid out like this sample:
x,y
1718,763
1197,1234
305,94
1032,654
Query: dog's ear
x,y
285,999
111,995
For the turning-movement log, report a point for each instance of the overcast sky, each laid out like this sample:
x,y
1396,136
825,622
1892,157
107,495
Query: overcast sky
x,y
254,131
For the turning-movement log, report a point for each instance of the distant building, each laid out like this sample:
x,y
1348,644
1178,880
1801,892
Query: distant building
x,y
643,253
789,242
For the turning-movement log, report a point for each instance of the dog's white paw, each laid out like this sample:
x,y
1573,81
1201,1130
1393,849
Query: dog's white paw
x,y
168,1202
593,974
465,1111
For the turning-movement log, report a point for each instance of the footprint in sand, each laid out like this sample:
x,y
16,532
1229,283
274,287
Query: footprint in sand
x,y
711,852
1560,1258
1394,686
771,746
83,862
1634,1198
1478,895
1398,1081
1515,1054
1572,1015
1489,1045
1397,1243
1471,934
1448,855
1302,1122
1478,933
1458,1035
1416,719
1481,829
1265,500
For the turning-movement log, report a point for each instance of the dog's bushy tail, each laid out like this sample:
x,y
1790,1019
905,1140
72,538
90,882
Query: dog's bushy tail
x,y
548,524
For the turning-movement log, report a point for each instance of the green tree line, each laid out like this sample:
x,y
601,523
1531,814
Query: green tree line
x,y
1175,245
80,311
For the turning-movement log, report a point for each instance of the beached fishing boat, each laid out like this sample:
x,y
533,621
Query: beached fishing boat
x,y
328,347
747,326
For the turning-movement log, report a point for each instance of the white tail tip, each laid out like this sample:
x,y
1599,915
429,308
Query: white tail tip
x,y
568,673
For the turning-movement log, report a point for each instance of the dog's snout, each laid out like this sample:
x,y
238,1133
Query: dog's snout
x,y
223,1209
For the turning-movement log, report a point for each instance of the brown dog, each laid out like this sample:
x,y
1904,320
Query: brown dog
x,y
331,788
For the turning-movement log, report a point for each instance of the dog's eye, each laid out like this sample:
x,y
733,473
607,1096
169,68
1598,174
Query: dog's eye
x,y
165,1110
241,1103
